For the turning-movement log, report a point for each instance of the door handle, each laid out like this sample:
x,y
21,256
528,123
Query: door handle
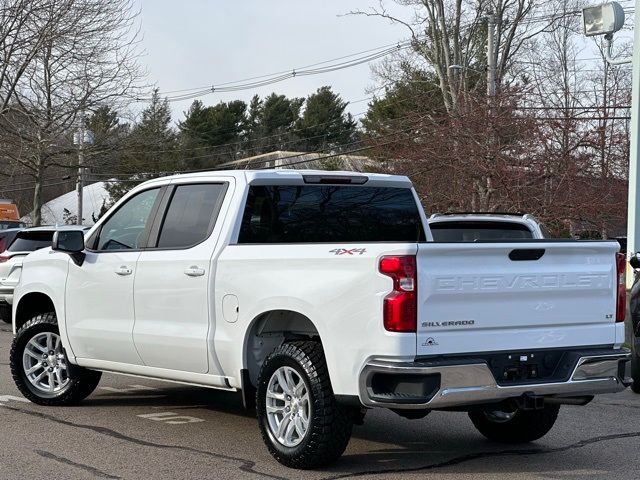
x,y
123,270
194,271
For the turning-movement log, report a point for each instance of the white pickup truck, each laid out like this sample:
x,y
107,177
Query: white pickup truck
x,y
320,295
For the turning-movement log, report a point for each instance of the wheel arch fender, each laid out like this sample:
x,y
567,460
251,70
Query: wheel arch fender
x,y
40,298
269,329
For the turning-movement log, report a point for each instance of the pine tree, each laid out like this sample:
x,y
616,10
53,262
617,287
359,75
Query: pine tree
x,y
105,155
150,150
272,122
324,124
213,135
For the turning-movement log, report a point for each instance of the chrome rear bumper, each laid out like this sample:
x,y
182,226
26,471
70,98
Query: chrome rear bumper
x,y
473,383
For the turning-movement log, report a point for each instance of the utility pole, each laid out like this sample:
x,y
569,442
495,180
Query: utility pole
x,y
79,138
491,112
491,56
80,181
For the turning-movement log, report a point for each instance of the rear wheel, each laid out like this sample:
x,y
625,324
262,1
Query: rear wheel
x,y
515,426
5,313
40,369
300,421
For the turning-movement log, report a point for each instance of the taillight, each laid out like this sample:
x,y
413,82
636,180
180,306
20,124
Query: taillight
x,y
621,305
4,258
400,305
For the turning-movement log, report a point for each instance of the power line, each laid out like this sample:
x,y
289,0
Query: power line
x,y
252,83
210,155
276,144
387,46
406,129
416,123
589,108
317,159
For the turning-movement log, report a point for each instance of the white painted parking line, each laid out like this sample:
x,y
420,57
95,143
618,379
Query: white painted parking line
x,y
171,418
129,389
8,398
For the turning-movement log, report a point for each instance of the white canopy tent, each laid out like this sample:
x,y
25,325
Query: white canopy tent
x,y
60,209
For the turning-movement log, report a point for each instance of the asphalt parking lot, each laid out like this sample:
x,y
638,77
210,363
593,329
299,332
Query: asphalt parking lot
x,y
132,428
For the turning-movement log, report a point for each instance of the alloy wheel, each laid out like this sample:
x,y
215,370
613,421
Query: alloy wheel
x,y
45,364
288,407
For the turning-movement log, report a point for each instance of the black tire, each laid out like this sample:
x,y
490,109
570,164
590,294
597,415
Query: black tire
x,y
635,367
5,313
81,381
330,424
524,426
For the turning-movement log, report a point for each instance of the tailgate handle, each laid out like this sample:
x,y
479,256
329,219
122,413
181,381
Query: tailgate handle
x,y
521,254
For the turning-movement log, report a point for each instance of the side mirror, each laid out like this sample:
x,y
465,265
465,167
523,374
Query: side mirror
x,y
71,242
634,261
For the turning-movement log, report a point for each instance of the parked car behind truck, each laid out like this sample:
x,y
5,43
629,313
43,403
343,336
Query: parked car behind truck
x,y
9,215
320,295
22,243
634,308
483,226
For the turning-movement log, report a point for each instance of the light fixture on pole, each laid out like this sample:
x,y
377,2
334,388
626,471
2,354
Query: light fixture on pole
x,y
602,19
605,19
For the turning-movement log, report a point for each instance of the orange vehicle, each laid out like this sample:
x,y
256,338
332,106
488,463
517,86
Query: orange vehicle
x,y
9,215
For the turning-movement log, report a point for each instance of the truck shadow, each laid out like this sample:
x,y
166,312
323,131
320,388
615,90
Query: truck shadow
x,y
387,443
176,397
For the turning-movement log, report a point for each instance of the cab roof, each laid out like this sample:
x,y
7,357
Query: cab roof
x,y
291,177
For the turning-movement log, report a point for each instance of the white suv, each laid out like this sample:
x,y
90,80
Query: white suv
x,y
485,226
25,242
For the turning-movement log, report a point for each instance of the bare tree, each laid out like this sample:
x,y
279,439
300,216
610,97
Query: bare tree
x,y
24,26
448,33
86,57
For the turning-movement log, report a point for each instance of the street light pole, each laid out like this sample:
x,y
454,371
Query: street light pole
x,y
633,226
606,19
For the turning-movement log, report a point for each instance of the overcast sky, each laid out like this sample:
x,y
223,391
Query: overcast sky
x,y
192,43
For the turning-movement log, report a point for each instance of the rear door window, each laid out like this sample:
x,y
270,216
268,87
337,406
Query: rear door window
x,y
324,213
31,241
461,231
191,215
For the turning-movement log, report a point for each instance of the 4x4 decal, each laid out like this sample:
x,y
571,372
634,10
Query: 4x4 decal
x,y
349,251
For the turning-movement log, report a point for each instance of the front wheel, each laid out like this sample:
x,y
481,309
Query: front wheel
x,y
39,365
300,421
515,426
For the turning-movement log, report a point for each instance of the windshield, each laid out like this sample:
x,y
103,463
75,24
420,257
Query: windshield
x,y
469,231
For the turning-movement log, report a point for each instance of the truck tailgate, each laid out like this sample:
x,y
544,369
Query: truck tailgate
x,y
485,297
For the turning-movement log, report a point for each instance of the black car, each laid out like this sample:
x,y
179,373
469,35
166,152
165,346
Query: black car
x,y
634,307
7,236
